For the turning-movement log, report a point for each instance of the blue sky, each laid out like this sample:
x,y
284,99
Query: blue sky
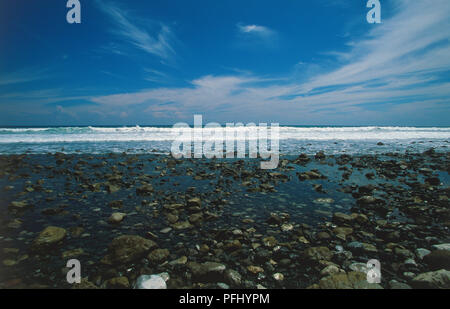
x,y
160,62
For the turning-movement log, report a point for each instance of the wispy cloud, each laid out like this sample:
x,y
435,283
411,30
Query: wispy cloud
x,y
23,76
397,67
256,35
256,30
149,36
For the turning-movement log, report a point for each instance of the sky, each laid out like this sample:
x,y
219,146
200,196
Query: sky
x,y
159,62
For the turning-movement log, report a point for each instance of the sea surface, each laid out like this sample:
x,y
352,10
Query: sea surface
x,y
158,139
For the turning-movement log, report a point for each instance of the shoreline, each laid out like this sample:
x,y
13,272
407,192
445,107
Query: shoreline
x,y
313,222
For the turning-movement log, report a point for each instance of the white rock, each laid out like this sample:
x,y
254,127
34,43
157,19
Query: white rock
x,y
361,267
151,282
441,247
117,217
421,253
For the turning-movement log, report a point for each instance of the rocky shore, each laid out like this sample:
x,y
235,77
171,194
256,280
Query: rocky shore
x,y
150,221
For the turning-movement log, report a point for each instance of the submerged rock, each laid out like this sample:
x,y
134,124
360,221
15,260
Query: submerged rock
x,y
127,248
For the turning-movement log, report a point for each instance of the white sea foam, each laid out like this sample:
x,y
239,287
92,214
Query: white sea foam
x,y
335,139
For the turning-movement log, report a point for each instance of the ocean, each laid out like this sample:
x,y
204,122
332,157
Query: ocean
x,y
158,139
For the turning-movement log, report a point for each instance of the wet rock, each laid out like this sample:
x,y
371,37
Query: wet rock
x,y
112,188
84,285
146,189
255,269
116,217
330,270
270,241
182,225
395,285
72,253
194,202
19,204
319,155
152,282
278,218
352,280
318,253
127,248
438,259
441,247
49,237
180,261
439,279
158,256
233,277
172,218
421,253
278,276
118,283
323,201
116,204
207,271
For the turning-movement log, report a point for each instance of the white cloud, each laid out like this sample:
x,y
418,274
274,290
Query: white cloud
x,y
256,30
395,71
156,41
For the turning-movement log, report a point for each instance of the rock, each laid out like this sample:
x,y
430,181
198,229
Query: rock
x,y
19,204
222,286
438,259
233,277
208,271
361,267
9,263
127,248
172,218
49,237
72,253
343,232
287,227
278,276
182,225
352,280
194,202
146,189
323,201
116,204
368,200
180,261
116,217
270,241
118,283
441,247
319,155
330,270
277,218
112,188
84,285
158,256
255,269
439,279
421,253
151,282
196,218
395,285
340,217
318,253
